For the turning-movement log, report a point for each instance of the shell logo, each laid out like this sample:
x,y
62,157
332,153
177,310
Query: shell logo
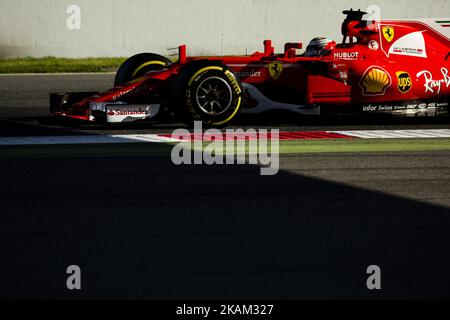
x,y
375,81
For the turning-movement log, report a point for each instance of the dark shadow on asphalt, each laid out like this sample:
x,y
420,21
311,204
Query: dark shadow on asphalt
x,y
27,127
141,227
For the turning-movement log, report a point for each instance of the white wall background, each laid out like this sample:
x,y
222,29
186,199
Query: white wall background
x,y
124,27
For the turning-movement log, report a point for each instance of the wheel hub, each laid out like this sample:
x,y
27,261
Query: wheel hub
x,y
214,96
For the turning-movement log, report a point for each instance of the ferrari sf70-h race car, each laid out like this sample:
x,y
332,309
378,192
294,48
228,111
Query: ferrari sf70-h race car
x,y
400,67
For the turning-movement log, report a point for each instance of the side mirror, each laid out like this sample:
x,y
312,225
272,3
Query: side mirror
x,y
290,49
292,45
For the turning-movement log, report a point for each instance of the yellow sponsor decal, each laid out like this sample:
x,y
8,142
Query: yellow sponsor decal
x,y
275,69
404,82
388,33
375,82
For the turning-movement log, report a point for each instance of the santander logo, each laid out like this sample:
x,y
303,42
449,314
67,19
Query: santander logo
x,y
118,112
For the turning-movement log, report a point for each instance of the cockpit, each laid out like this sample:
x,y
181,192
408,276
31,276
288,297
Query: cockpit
x,y
355,30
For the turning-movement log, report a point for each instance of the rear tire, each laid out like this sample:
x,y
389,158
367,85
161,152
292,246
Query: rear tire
x,y
139,65
207,91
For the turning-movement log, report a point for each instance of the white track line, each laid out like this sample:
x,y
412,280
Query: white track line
x,y
396,134
97,139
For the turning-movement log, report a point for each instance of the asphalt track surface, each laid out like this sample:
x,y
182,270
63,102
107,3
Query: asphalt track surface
x,y
141,227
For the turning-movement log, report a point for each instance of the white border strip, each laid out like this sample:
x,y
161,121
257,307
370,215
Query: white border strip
x,y
396,134
94,139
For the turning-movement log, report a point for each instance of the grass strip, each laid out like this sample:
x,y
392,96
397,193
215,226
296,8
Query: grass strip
x,y
59,65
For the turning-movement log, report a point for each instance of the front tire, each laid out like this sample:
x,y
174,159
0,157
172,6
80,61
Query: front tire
x,y
208,91
138,66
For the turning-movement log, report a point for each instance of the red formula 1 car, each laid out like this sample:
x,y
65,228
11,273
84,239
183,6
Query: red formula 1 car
x,y
399,67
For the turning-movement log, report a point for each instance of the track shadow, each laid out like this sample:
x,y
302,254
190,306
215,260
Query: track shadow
x,y
23,127
140,227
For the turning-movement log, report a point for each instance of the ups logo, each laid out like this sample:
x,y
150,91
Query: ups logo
x,y
404,82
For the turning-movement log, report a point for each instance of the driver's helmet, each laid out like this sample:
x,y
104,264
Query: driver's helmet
x,y
317,47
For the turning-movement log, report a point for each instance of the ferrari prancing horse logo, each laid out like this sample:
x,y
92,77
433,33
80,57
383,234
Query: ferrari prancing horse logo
x,y
275,69
388,33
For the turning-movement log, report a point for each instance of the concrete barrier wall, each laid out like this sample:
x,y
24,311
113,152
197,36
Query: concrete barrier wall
x,y
124,27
